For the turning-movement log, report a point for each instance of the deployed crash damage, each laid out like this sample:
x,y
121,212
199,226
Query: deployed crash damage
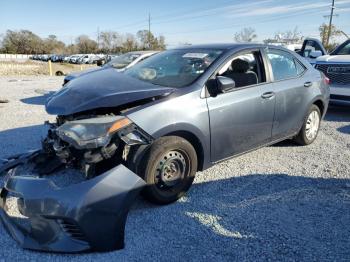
x,y
91,215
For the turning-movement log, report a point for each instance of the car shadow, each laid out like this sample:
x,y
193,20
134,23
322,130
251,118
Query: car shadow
x,y
336,113
278,214
22,139
344,129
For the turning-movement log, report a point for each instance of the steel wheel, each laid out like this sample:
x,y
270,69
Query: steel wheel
x,y
312,125
172,169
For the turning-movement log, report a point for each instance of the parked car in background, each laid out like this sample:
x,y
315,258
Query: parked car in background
x,y
336,66
74,59
130,59
120,63
66,59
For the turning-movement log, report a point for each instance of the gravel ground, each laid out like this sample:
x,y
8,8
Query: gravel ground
x,y
283,202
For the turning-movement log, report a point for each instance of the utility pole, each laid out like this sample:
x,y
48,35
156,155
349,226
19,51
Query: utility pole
x,y
149,30
98,37
330,23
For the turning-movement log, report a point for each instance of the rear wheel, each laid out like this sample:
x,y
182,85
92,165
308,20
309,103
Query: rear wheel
x,y
311,126
168,166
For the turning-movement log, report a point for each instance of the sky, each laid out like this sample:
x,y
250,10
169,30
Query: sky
x,y
180,21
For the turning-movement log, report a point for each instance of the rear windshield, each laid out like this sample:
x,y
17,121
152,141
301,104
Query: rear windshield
x,y
123,60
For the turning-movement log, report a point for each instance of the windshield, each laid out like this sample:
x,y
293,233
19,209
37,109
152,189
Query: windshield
x,y
343,49
174,68
123,60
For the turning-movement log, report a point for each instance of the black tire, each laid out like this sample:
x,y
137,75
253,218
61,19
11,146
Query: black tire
x,y
302,138
152,163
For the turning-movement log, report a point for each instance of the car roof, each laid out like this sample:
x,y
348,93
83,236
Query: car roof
x,y
143,52
226,46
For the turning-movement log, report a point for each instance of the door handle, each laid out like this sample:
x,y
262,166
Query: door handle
x,y
308,84
268,95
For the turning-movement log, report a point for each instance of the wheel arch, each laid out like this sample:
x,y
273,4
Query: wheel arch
x,y
321,105
195,142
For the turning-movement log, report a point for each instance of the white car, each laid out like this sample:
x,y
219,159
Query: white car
x,y
120,63
125,61
336,66
74,59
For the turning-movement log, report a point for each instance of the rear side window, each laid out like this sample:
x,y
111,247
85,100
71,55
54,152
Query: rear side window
x,y
284,65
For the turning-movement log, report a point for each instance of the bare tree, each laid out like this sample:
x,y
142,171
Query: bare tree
x,y
21,42
324,29
110,41
129,43
86,45
247,34
294,34
149,41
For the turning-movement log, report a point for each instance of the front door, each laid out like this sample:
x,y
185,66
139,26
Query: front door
x,y
241,120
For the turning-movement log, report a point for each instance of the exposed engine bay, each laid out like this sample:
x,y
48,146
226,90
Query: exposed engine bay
x,y
92,145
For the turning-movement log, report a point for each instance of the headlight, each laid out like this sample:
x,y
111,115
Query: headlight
x,y
93,132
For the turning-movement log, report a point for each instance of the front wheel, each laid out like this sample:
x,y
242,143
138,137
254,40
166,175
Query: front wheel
x,y
168,166
310,128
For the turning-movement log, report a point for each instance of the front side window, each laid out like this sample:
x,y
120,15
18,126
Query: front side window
x,y
174,68
284,65
246,69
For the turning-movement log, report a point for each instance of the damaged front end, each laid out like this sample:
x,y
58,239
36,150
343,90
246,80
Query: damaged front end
x,y
86,216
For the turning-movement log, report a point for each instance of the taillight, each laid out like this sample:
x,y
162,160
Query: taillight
x,y
326,80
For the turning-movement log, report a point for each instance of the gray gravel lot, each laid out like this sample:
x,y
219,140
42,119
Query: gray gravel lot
x,y
283,202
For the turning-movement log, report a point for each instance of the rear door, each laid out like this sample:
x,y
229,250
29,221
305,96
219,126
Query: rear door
x,y
241,120
290,85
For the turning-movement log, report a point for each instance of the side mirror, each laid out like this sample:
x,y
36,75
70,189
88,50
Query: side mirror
x,y
315,54
221,84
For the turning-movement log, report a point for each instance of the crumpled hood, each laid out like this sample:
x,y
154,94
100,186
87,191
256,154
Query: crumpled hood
x,y
101,89
334,59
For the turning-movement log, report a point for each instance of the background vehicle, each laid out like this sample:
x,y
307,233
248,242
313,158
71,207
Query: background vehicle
x,y
336,66
120,63
74,59
130,59
311,49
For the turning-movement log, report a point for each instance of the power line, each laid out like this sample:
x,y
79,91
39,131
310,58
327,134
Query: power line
x,y
216,28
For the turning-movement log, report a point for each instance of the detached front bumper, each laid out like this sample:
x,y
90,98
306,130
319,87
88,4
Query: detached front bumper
x,y
88,216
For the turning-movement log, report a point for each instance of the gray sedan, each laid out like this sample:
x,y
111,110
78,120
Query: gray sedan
x,y
152,128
